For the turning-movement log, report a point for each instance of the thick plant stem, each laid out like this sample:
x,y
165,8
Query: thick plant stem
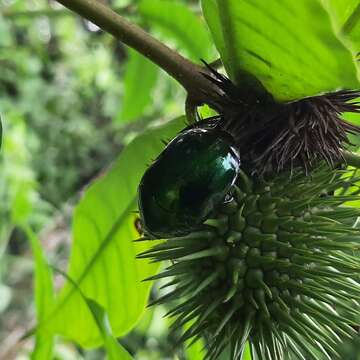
x,y
188,74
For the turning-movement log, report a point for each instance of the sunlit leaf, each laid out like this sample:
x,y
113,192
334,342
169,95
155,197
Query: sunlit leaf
x,y
103,253
289,46
113,348
211,14
195,351
247,353
139,81
178,23
44,297
346,20
346,13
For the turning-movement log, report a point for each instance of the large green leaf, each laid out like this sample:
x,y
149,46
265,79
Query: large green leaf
x,y
346,13
178,23
346,20
113,348
44,296
139,81
102,260
288,45
196,351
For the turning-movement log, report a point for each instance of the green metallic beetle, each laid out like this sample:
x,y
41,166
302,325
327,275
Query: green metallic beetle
x,y
192,175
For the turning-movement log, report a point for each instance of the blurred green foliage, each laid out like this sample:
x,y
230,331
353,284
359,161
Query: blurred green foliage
x,y
70,98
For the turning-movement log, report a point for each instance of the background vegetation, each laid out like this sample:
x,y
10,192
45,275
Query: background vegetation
x,y
72,98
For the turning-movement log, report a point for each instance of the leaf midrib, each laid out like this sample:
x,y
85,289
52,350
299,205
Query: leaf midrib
x,y
114,229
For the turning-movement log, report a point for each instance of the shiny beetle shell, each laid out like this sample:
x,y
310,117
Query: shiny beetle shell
x,y
192,175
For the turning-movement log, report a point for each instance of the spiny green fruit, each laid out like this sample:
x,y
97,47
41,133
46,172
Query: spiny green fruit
x,y
276,267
